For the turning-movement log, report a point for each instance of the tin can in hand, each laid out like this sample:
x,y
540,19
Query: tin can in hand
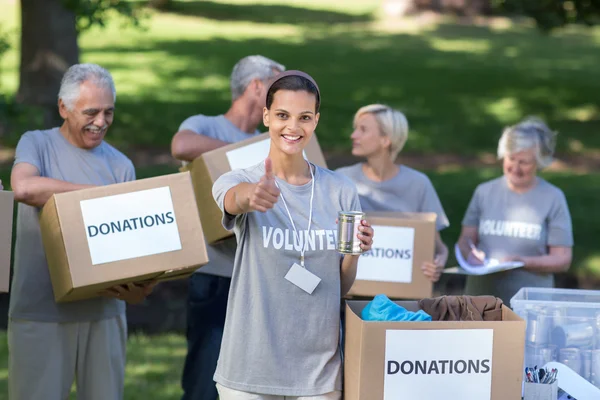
x,y
348,223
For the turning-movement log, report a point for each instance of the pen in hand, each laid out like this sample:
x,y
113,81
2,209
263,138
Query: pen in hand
x,y
476,256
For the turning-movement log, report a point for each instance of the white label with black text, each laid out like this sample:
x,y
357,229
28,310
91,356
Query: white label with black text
x,y
247,156
130,225
391,256
438,364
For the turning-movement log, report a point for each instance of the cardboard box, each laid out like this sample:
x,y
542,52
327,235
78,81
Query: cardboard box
x,y
432,360
401,243
109,235
7,200
207,168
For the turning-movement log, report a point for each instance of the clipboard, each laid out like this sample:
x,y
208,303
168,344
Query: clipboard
x,y
490,266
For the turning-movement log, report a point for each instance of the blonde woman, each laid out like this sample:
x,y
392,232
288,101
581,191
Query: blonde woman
x,y
519,217
380,133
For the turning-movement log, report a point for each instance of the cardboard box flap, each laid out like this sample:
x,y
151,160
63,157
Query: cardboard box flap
x,y
357,306
353,349
7,200
208,209
54,247
510,315
122,188
385,216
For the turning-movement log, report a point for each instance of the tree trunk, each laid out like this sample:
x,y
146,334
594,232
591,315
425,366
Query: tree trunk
x,y
461,7
159,4
48,48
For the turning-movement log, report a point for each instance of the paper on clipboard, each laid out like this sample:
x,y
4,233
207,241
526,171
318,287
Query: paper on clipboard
x,y
491,266
573,383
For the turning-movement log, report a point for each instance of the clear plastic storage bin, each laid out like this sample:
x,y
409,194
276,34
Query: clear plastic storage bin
x,y
562,325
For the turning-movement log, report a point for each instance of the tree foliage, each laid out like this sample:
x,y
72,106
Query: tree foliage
x,y
552,14
97,12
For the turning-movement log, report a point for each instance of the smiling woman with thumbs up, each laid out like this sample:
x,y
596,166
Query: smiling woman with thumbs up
x,y
281,338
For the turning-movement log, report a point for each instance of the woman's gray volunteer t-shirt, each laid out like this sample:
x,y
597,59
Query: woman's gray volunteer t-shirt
x,y
408,191
516,224
221,254
55,157
278,339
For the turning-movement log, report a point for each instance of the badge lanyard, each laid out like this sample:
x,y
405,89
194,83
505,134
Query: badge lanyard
x,y
310,211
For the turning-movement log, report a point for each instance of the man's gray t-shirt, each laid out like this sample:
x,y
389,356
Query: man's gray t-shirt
x,y
408,191
221,254
31,295
513,224
278,339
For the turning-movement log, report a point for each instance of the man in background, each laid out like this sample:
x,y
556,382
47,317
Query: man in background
x,y
209,286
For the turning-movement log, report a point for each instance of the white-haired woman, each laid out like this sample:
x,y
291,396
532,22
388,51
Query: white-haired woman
x,y
519,217
380,133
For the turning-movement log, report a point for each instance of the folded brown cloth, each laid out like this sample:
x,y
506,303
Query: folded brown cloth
x,y
463,308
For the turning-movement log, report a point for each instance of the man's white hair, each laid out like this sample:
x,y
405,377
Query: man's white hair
x,y
79,73
531,133
249,68
392,123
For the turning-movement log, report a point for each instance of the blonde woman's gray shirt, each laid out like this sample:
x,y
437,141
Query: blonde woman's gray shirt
x,y
408,191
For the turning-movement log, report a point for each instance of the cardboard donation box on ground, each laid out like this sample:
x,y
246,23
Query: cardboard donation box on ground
x,y
401,243
129,232
6,224
435,360
207,168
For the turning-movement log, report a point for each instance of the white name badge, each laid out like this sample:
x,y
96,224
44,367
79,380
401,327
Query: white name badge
x,y
303,278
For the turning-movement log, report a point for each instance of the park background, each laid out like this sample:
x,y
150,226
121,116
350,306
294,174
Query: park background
x,y
461,70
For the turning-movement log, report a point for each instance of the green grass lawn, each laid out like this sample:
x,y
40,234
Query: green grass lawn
x,y
154,365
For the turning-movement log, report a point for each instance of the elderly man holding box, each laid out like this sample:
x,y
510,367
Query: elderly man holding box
x,y
51,344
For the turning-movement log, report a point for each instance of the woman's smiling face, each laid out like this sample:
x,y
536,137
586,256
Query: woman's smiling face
x,y
291,119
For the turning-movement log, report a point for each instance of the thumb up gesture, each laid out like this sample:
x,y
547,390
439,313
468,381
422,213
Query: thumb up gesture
x,y
265,192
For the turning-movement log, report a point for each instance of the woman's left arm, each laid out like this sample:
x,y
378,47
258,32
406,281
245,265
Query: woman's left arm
x,y
350,262
557,260
560,241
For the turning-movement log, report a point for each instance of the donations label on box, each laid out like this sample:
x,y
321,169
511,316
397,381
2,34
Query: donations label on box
x,y
130,225
247,156
438,364
391,256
